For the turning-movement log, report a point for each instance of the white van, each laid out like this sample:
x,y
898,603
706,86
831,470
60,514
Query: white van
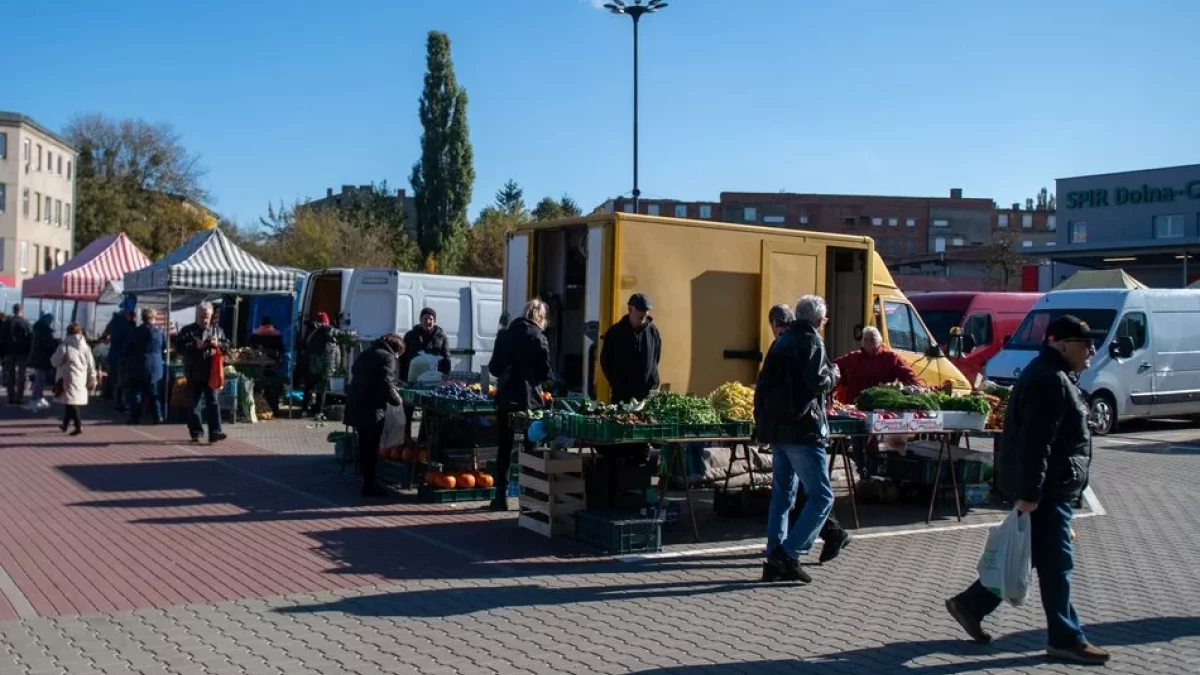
x,y
1144,368
378,301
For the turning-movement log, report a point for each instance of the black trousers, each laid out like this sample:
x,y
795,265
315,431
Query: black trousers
x,y
71,416
504,448
369,436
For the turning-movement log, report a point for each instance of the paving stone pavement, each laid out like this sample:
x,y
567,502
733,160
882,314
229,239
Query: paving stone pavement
x,y
477,607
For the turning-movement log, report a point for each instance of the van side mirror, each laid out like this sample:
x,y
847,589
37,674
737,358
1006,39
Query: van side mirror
x,y
968,344
955,348
1121,348
934,352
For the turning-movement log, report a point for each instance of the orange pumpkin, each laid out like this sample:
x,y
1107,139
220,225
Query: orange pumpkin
x,y
432,478
385,453
406,454
466,480
446,481
484,479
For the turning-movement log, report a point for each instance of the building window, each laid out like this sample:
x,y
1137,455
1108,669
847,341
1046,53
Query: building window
x,y
1168,227
803,220
750,214
958,241
1025,243
68,169
1027,220
25,202
37,205
24,262
58,212
25,152
1078,233
49,161
1002,220
628,208
910,222
941,223
939,245
1051,243
67,215
893,222
3,198
775,220
1051,223
47,259
681,211
848,221
1,254
3,146
706,211
47,211
652,210
60,164
877,222
39,158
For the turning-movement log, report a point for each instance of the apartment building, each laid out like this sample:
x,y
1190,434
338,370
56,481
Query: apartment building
x,y
351,193
37,199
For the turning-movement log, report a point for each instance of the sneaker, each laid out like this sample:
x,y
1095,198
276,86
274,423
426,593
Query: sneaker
x,y
1084,653
973,626
833,547
779,567
44,404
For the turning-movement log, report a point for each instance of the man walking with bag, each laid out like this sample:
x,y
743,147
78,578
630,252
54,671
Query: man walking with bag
x,y
1042,464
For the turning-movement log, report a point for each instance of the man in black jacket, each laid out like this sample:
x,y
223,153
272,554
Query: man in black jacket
x,y
789,412
631,352
1043,463
425,338
16,338
372,389
199,343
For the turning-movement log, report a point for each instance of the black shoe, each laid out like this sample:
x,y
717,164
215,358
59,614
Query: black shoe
x,y
63,426
217,438
779,567
1084,653
973,626
196,439
75,432
833,547
498,504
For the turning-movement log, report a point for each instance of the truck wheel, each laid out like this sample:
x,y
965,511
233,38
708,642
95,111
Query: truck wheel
x,y
1102,412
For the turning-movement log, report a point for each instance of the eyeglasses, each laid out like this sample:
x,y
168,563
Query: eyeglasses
x,y
1091,344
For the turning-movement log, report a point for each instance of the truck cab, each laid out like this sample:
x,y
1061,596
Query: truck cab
x,y
984,321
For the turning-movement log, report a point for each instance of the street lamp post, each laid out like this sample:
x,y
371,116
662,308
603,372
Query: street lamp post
x,y
635,11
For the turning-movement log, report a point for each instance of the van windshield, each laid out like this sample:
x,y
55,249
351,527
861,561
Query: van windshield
x,y
940,321
1033,328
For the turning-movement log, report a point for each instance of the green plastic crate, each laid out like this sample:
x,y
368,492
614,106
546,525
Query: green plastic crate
x,y
618,532
453,405
701,430
601,430
848,427
432,495
737,429
394,473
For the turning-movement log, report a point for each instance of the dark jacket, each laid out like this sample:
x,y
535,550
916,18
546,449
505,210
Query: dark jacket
x,y
520,363
119,332
16,337
417,341
43,344
1045,448
144,355
197,363
372,385
629,358
322,343
793,389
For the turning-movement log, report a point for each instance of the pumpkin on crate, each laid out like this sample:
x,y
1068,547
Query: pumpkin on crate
x,y
484,479
446,481
432,478
466,480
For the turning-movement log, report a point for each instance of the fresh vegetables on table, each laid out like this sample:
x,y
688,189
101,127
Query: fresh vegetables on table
x,y
458,392
682,408
974,404
733,401
894,400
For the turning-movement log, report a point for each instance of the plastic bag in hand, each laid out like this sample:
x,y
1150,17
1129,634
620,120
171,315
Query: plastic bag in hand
x,y
1006,563
393,427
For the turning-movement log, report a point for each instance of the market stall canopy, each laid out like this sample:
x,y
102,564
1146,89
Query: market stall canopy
x,y
210,263
84,276
1084,279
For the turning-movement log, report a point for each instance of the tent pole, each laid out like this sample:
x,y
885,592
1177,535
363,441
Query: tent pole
x,y
166,402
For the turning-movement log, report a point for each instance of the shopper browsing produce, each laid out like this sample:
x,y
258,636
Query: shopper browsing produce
x,y
372,389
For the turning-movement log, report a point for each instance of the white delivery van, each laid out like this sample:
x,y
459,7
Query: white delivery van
x,y
1148,366
374,302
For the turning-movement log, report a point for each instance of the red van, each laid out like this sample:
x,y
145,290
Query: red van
x,y
986,319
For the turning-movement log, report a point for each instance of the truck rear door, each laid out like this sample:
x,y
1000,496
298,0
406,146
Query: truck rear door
x,y
789,270
370,306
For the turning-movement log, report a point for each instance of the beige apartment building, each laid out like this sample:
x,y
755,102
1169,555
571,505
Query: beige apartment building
x,y
37,199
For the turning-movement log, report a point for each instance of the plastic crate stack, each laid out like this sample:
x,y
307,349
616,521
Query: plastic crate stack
x,y
552,490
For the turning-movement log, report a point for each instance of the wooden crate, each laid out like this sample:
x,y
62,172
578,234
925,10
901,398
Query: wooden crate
x,y
551,491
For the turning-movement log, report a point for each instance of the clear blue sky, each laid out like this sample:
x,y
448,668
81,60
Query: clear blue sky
x,y
283,99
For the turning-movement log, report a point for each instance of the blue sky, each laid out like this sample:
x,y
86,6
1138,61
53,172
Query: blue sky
x,y
283,99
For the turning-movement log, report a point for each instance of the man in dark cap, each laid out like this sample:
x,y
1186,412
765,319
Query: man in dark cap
x,y
425,338
631,351
1043,463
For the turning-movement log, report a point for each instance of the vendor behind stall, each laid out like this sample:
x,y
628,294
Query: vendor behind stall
x,y
872,365
425,338
322,350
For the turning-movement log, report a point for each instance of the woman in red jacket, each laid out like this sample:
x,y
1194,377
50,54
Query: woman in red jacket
x,y
862,369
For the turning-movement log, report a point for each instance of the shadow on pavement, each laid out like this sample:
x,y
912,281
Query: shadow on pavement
x,y
895,658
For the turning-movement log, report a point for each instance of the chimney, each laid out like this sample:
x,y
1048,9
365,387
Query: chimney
x,y
328,192
955,193
1016,206
347,190
400,193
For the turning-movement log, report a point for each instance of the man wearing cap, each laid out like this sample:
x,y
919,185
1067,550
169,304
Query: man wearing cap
x,y
1043,463
631,351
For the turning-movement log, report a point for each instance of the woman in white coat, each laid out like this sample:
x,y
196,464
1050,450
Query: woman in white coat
x,y
77,373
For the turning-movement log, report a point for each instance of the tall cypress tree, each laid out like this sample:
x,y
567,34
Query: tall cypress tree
x,y
443,178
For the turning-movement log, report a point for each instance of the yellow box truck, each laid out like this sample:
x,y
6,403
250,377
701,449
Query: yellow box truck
x,y
711,285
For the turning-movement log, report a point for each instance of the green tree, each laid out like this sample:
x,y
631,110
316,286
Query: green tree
x,y
442,180
511,198
1004,261
378,212
486,241
136,177
550,209
314,239
1045,201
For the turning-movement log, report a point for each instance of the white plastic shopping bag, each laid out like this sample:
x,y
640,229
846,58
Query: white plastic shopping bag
x,y
393,427
1006,563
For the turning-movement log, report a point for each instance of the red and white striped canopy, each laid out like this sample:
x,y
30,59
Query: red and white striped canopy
x,y
83,277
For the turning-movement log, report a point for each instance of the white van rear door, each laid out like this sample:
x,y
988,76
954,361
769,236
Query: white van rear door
x,y
487,305
516,274
370,306
449,298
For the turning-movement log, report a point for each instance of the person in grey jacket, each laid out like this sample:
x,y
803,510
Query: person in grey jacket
x,y
198,344
1043,464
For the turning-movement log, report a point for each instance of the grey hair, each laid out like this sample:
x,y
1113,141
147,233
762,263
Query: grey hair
x,y
811,309
206,305
535,311
873,333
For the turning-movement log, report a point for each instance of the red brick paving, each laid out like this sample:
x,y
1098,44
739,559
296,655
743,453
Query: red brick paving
x,y
122,519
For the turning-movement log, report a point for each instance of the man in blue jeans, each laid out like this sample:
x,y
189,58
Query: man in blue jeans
x,y
1042,463
199,343
789,412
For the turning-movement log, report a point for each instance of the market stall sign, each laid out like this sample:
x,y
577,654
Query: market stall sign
x,y
1121,196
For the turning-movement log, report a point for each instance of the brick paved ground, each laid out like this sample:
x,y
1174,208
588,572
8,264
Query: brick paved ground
x,y
141,555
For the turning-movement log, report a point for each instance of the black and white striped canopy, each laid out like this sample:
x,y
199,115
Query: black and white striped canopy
x,y
210,263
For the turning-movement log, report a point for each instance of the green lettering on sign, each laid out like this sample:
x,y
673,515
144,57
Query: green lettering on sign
x,y
1123,196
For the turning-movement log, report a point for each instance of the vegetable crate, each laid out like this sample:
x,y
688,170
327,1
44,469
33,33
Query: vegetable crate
x,y
454,405
551,490
699,431
618,532
847,427
600,430
395,473
737,429
432,495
